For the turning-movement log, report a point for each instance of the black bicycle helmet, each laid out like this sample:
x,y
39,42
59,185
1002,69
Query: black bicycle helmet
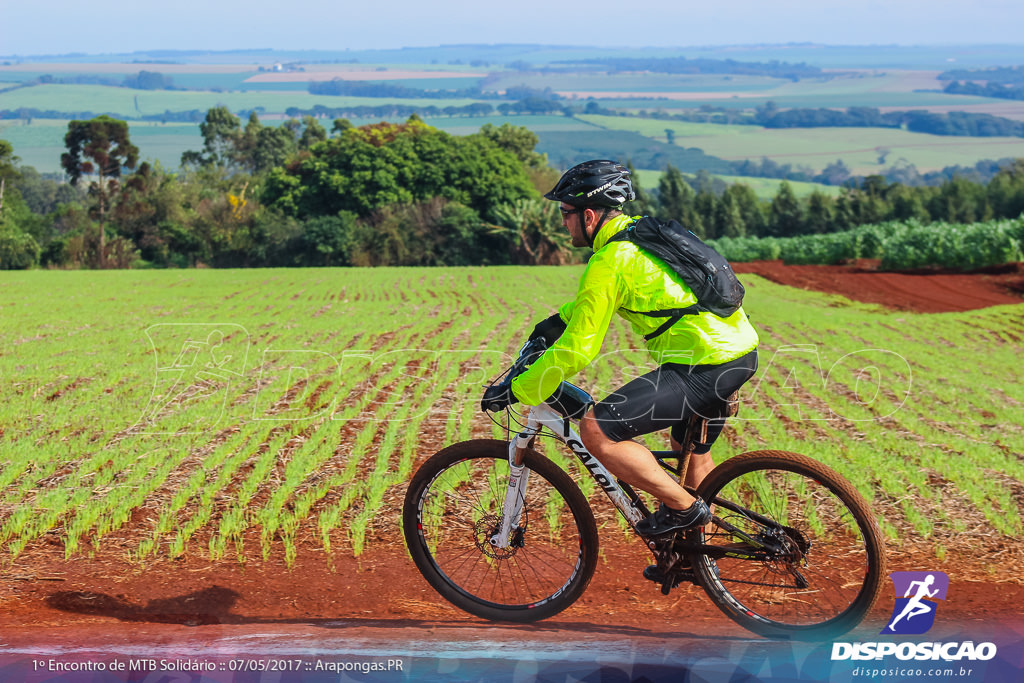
x,y
599,182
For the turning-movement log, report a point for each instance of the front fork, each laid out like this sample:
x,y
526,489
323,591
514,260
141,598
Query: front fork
x,y
515,493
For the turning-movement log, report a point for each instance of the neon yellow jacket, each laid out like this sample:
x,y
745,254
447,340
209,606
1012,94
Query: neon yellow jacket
x,y
620,279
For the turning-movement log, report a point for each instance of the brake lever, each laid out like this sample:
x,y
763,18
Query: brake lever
x,y
528,354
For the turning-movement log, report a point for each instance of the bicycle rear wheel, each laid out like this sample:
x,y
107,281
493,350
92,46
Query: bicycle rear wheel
x,y
454,506
821,555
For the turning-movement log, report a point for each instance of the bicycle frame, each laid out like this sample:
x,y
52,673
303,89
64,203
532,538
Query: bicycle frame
x,y
623,498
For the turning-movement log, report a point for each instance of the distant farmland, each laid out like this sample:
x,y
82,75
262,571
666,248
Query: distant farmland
x,y
860,148
255,84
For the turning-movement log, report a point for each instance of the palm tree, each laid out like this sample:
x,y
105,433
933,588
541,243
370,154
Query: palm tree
x,y
534,232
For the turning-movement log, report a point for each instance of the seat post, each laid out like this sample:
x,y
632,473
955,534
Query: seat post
x,y
697,425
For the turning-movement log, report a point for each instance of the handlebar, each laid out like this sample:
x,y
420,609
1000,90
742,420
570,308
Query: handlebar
x,y
529,353
568,399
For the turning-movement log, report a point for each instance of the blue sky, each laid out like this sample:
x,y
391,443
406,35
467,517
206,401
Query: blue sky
x,y
103,26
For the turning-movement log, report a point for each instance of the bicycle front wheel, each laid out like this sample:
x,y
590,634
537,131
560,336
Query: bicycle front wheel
x,y
801,554
454,507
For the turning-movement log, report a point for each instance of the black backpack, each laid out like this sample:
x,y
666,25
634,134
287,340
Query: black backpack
x,y
702,268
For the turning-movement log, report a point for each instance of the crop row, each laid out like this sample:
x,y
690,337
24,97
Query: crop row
x,y
264,412
897,245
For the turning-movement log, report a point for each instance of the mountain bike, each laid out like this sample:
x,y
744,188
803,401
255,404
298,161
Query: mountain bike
x,y
502,532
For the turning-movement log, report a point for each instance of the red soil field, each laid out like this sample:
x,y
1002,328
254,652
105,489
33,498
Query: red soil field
x,y
923,291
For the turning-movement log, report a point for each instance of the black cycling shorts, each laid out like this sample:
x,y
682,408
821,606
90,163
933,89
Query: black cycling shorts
x,y
666,398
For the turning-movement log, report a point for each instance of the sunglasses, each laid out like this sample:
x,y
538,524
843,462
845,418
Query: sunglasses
x,y
569,212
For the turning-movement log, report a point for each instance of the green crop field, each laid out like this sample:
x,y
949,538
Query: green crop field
x,y
235,414
599,82
765,188
41,143
126,102
650,91
859,148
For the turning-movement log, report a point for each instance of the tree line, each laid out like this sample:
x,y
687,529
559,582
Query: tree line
x,y
990,89
769,115
713,210
291,195
1005,75
143,80
299,194
682,65
539,102
917,121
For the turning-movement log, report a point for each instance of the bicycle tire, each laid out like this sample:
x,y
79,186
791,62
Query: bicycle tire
x,y
836,547
454,504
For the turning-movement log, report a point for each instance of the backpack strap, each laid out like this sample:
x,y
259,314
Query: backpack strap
x,y
674,315
624,233
619,236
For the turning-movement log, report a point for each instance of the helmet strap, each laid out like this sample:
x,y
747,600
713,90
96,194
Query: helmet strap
x,y
597,227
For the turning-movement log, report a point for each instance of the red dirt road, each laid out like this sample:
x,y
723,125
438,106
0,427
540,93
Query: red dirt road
x,y
382,585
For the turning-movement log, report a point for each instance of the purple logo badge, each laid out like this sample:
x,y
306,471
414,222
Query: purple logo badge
x,y
916,596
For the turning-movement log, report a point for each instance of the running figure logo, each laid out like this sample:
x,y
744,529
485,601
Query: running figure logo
x,y
196,364
914,612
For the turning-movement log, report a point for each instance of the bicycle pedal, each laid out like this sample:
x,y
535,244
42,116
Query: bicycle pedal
x,y
653,573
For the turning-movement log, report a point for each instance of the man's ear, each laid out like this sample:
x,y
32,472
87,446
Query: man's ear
x,y
586,221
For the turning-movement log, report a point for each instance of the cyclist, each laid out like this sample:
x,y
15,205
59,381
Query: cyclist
x,y
702,359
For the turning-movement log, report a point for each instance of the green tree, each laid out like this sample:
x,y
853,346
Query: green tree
x,y
785,215
907,204
151,212
99,146
7,161
533,228
221,131
434,232
262,148
42,194
728,216
676,200
7,169
705,205
521,141
365,169
835,173
329,240
312,133
644,204
819,218
1005,192
18,250
255,148
148,80
960,201
750,206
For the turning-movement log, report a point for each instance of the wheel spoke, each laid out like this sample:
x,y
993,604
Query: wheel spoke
x,y
824,558
455,507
